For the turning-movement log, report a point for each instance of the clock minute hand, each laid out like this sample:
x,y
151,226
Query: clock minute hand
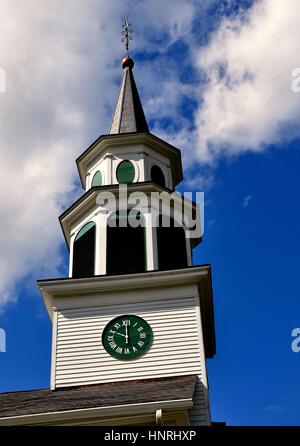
x,y
126,335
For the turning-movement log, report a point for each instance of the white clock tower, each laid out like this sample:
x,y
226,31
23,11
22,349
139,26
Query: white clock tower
x,y
133,323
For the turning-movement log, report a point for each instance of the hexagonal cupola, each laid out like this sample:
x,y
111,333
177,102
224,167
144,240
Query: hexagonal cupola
x,y
130,158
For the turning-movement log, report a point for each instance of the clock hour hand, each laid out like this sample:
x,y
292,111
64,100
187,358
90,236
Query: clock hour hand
x,y
120,334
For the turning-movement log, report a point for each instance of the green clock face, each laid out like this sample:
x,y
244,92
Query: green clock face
x,y
127,337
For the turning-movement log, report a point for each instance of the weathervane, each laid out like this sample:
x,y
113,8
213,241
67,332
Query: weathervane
x,y
126,34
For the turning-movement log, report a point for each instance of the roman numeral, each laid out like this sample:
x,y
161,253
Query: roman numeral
x,y
134,349
141,343
119,350
117,325
140,329
143,335
113,345
110,338
126,322
127,351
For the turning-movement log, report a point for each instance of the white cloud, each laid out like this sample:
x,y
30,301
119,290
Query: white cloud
x,y
248,102
61,64
275,408
62,74
246,201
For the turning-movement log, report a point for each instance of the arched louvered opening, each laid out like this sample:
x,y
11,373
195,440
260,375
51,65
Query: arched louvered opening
x,y
171,245
157,176
126,251
97,179
84,251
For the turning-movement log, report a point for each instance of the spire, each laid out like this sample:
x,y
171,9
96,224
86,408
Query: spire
x,y
129,114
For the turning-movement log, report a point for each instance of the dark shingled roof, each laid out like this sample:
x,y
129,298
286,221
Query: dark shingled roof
x,y
128,115
100,395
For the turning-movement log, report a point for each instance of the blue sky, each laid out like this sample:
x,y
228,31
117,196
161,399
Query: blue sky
x,y
229,107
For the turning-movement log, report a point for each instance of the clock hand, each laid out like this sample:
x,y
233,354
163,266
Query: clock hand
x,y
126,336
120,334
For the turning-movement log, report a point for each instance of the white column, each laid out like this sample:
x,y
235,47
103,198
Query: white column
x,y
72,238
109,172
188,250
88,182
101,242
151,243
144,168
169,179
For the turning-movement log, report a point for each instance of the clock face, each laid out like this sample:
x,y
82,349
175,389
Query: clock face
x,y
127,337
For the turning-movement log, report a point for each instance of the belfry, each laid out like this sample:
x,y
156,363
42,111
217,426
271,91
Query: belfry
x,y
133,324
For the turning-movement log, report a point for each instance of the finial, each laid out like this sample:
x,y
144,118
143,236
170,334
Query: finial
x,y
126,34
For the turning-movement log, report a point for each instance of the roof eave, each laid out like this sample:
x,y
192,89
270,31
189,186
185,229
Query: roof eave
x,y
146,186
98,412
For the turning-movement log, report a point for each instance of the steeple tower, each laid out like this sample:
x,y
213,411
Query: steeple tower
x,y
134,312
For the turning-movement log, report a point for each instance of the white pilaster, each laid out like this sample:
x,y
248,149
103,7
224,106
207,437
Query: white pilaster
x,y
109,172
72,238
151,243
189,250
101,242
88,181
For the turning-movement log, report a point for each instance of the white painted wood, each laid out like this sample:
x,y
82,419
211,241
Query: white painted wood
x,y
143,158
189,251
53,351
149,242
72,238
135,143
201,403
101,243
169,301
177,348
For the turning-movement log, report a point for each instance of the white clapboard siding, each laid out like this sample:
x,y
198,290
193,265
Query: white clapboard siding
x,y
177,347
200,414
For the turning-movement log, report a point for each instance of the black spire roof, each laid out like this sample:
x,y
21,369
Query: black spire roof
x,y
128,115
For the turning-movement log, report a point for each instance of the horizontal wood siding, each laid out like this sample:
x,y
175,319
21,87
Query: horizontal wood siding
x,y
200,414
176,349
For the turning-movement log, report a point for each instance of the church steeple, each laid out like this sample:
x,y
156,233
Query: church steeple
x,y
129,115
133,322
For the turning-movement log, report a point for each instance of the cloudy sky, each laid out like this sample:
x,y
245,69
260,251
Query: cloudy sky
x,y
215,78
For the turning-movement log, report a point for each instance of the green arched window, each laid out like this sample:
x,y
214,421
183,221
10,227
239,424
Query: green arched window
x,y
84,251
125,172
97,179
